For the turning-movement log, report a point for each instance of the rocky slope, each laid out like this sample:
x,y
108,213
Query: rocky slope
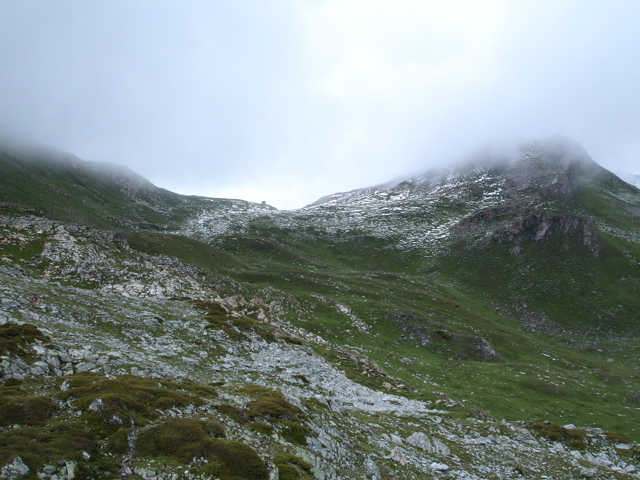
x,y
374,334
112,358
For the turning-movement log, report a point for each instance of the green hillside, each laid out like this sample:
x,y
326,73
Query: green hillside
x,y
509,285
101,194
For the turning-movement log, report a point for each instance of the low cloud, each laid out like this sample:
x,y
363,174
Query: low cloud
x,y
287,101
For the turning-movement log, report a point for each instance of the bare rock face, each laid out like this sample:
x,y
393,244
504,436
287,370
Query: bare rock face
x,y
531,228
478,346
367,366
119,237
425,333
489,213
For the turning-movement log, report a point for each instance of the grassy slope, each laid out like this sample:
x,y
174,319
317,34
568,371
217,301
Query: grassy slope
x,y
538,375
567,377
102,195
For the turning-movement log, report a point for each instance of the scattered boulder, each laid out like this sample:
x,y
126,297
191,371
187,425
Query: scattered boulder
x,y
420,440
67,470
588,472
439,467
15,468
119,237
398,455
371,468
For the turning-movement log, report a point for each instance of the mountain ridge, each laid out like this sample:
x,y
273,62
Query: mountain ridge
x,y
376,336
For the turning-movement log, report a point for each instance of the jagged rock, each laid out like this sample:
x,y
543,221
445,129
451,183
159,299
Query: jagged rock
x,y
543,224
420,440
398,455
439,447
119,237
47,472
396,439
97,405
366,365
439,467
191,361
85,367
9,304
15,468
67,470
371,469
234,302
474,346
588,472
602,459
40,368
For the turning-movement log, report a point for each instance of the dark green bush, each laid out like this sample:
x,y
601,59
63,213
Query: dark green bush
x,y
26,411
238,414
295,432
291,467
124,399
261,427
574,438
183,439
117,442
618,437
15,339
273,407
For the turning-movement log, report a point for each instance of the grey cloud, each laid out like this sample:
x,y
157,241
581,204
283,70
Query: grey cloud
x,y
222,97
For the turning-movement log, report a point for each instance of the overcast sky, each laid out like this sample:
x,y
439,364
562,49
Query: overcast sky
x,y
290,100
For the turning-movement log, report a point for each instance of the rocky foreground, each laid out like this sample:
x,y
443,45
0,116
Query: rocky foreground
x,y
118,364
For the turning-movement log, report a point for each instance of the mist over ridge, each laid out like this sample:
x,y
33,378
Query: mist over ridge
x,y
286,103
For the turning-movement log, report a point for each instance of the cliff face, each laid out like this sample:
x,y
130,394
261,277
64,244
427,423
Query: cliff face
x,y
532,228
540,225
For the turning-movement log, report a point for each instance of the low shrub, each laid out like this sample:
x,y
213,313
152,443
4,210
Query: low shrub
x,y
126,398
37,447
291,340
291,467
15,339
26,411
273,407
295,432
617,437
238,414
183,439
118,442
574,438
261,427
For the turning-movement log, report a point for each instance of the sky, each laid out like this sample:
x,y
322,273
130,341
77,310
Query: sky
x,y
289,100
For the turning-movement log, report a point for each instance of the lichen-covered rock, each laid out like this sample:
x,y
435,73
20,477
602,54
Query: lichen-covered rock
x,y
371,469
399,456
420,440
15,468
